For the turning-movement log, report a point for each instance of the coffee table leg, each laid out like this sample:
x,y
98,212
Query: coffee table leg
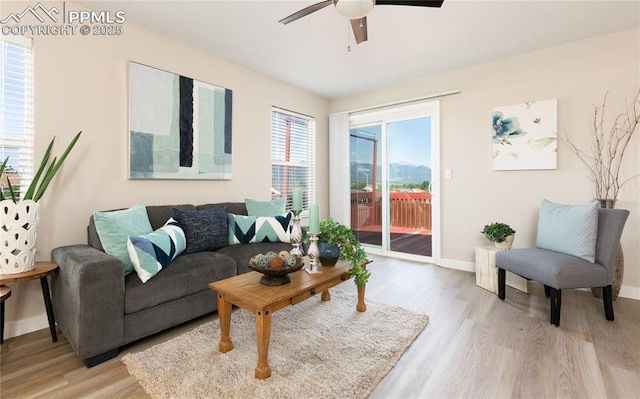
x,y
224,314
263,333
326,296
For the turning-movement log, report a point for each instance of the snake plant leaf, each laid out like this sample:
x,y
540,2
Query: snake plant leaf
x,y
11,191
45,159
4,164
54,168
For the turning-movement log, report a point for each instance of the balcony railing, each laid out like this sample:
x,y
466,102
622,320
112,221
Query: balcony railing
x,y
410,210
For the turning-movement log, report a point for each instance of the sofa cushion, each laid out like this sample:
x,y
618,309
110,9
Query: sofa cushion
x,y
570,229
115,227
159,214
188,274
205,230
152,252
237,208
265,208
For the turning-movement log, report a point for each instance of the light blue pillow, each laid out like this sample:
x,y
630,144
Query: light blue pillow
x,y
265,208
570,229
114,228
150,253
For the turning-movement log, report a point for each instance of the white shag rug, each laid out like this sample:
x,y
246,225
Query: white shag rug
x,y
317,350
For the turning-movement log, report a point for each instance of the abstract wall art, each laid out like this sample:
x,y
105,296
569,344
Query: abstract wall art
x,y
179,128
524,136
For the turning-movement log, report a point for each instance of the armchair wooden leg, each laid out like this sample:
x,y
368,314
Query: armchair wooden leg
x,y
556,301
607,298
501,283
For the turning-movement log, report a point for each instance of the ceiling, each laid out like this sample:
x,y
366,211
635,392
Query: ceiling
x,y
404,42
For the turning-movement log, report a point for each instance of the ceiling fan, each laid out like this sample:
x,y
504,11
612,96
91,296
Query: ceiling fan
x,y
356,11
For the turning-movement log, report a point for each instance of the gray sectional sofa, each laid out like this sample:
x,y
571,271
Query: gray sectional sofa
x,y
99,309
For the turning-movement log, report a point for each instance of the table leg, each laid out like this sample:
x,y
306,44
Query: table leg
x,y
1,322
47,304
263,333
361,306
224,314
326,296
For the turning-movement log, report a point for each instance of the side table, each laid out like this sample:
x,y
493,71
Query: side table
x,y
41,271
487,274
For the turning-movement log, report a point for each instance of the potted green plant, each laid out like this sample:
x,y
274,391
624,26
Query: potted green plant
x,y
337,234
19,227
500,234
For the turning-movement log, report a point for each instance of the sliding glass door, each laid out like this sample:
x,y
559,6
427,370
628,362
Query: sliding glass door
x,y
393,173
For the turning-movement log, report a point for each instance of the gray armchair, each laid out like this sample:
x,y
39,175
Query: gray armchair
x,y
558,271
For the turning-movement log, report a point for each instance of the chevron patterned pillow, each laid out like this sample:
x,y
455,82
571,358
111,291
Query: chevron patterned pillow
x,y
152,252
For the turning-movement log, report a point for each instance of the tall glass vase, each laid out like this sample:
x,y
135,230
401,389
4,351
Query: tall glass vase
x,y
618,269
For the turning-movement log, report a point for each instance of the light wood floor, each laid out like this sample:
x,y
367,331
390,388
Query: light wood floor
x,y
475,346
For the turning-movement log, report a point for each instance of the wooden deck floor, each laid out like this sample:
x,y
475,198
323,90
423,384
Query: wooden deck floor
x,y
416,242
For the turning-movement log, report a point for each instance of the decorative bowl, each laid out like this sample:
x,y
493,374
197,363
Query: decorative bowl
x,y
276,276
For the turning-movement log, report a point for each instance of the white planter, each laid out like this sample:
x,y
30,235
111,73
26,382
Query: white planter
x,y
506,244
18,229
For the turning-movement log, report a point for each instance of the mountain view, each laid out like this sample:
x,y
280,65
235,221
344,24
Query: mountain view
x,y
399,173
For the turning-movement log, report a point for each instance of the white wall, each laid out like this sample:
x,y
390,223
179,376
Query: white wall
x,y
578,75
81,83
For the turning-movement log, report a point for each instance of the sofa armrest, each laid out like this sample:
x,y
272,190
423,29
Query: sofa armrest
x,y
88,299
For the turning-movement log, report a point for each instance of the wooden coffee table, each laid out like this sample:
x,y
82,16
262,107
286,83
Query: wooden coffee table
x,y
246,292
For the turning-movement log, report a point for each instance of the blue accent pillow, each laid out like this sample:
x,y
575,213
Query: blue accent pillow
x,y
265,208
114,228
150,253
570,229
205,230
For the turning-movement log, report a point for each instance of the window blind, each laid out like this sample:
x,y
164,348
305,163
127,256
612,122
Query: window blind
x,y
16,110
293,163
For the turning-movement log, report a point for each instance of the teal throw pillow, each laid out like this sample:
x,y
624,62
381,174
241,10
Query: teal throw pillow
x,y
205,230
150,253
265,208
570,229
114,228
242,229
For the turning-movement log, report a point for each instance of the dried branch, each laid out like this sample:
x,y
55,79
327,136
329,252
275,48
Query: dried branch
x,y
607,148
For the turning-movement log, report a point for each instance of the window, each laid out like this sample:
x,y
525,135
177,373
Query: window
x,y
293,160
16,111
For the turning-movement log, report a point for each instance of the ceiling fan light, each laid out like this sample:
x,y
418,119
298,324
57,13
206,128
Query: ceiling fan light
x,y
354,9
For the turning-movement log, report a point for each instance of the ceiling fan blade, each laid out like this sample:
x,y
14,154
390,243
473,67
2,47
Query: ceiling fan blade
x,y
306,11
416,3
359,27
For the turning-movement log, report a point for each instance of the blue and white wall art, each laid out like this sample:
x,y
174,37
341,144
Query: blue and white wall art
x,y
524,136
180,128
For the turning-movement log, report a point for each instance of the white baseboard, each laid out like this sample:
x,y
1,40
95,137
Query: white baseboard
x,y
458,265
25,326
630,292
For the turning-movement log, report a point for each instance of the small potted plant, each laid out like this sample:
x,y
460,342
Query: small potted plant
x,y
338,235
500,234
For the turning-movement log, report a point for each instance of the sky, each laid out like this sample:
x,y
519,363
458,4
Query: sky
x,y
408,141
